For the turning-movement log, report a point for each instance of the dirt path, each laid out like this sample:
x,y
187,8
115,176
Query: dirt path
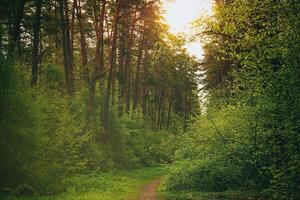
x,y
148,192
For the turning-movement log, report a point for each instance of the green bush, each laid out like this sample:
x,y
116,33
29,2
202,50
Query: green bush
x,y
213,176
20,139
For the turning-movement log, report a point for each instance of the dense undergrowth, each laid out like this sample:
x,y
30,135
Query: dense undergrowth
x,y
51,140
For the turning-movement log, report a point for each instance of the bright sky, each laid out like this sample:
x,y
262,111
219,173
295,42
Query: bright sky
x,y
179,15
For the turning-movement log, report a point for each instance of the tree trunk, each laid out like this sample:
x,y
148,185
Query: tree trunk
x,y
106,116
160,109
99,54
15,40
144,89
169,113
62,20
71,89
185,111
67,49
56,36
121,76
83,51
72,34
101,37
36,37
128,64
137,76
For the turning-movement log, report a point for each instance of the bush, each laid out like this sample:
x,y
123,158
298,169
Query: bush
x,y
20,139
213,176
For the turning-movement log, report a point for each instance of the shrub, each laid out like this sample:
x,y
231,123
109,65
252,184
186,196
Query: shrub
x,y
213,176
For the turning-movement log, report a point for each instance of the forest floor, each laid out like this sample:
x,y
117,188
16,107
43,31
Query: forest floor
x,y
139,184
149,191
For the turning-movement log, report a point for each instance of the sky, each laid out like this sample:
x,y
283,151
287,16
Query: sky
x,y
180,13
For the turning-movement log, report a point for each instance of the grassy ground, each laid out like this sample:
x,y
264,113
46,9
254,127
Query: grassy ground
x,y
229,195
122,185
189,195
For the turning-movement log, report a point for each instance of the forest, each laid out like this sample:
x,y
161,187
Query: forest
x,y
99,100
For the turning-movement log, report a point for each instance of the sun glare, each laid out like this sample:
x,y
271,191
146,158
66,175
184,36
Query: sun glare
x,y
180,13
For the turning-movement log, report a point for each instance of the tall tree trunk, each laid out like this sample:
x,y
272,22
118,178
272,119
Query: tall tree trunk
x,y
144,89
99,53
187,106
160,109
101,37
72,33
92,86
62,20
56,36
137,76
113,84
162,117
83,50
128,83
155,107
71,89
106,116
121,77
67,49
128,64
36,37
15,40
169,112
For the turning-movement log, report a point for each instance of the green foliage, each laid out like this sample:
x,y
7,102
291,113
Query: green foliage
x,y
20,140
97,102
209,154
252,115
65,137
132,143
46,137
228,195
246,137
41,140
213,176
53,76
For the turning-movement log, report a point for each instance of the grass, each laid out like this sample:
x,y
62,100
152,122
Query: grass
x,y
228,195
193,195
120,185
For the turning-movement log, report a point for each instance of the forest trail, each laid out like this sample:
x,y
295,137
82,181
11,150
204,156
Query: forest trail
x,y
149,191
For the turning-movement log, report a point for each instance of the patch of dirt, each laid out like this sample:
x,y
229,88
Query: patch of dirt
x,y
148,192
